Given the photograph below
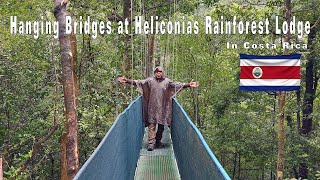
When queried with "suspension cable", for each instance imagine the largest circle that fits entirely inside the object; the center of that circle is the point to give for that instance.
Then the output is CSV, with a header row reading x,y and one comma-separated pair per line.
x,y
117,65
174,40
131,34
138,6
173,45
196,90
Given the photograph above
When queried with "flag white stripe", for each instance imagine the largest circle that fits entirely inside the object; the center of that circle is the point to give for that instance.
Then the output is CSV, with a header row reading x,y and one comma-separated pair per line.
x,y
269,82
268,62
257,59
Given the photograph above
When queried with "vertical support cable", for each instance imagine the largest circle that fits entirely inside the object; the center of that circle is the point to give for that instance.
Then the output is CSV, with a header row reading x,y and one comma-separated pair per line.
x,y
117,65
131,48
174,40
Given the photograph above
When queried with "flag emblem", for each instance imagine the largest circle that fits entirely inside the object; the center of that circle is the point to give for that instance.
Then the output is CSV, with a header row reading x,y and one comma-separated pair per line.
x,y
270,73
257,72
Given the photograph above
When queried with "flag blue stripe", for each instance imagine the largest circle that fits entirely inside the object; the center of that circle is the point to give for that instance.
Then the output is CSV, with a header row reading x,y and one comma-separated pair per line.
x,y
288,57
269,88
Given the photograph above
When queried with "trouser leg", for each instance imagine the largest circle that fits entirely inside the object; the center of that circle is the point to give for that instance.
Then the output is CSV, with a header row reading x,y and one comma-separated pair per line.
x,y
151,133
159,133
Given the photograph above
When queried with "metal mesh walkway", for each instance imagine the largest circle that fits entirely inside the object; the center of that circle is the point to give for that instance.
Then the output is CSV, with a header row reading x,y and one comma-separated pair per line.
x,y
159,164
119,155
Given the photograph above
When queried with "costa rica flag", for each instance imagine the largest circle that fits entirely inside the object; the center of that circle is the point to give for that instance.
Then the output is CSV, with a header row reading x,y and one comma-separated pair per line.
x,y
270,73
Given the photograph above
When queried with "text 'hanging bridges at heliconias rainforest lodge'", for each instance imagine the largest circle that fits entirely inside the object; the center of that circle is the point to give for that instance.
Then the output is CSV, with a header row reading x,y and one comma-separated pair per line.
x,y
270,73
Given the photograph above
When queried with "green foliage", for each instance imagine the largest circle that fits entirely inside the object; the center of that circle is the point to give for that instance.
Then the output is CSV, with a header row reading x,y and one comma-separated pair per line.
x,y
240,127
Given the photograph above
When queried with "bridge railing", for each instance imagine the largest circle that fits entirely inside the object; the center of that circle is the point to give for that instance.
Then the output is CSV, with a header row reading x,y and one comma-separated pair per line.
x,y
194,158
117,154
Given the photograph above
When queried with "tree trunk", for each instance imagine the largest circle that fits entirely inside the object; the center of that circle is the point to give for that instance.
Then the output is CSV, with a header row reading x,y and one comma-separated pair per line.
x,y
63,158
311,86
281,104
281,136
150,56
68,90
298,93
309,96
127,40
127,9
52,166
239,165
234,165
74,64
303,171
289,122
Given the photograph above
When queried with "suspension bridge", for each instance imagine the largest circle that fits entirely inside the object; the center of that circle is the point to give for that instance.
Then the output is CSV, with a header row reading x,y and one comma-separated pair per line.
x,y
122,154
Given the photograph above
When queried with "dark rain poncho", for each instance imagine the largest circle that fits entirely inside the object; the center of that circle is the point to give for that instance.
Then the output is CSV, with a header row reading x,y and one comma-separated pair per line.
x,y
157,97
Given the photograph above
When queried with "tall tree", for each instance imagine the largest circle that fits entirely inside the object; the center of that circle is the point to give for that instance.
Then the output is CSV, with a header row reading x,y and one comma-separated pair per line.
x,y
150,55
310,93
127,10
281,104
281,135
311,82
68,83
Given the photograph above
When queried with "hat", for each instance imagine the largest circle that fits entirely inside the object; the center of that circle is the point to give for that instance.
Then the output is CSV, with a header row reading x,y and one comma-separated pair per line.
x,y
158,68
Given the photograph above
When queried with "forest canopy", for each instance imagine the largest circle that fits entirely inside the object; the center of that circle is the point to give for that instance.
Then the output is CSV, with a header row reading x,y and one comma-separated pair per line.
x,y
59,94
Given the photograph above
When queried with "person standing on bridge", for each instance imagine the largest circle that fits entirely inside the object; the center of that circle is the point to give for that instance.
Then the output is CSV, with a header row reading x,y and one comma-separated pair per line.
x,y
157,94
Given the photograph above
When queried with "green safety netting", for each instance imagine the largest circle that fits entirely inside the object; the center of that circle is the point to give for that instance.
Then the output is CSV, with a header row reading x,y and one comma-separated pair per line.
x,y
117,154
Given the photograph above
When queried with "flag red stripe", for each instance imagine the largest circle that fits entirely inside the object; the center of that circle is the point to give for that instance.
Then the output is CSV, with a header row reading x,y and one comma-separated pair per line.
x,y
271,72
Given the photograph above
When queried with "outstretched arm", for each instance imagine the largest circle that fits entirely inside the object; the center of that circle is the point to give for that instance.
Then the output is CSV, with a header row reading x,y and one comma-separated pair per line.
x,y
142,85
193,84
124,80
178,85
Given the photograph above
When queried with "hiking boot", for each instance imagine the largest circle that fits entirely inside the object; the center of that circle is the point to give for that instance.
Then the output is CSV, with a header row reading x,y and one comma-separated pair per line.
x,y
150,147
159,145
